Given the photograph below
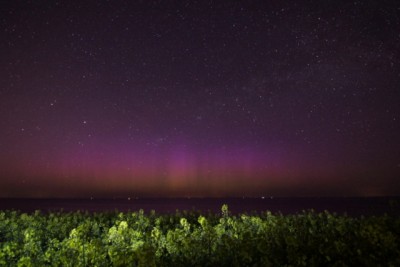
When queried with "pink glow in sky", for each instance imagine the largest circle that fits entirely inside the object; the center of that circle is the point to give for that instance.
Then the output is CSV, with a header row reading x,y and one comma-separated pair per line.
x,y
199,98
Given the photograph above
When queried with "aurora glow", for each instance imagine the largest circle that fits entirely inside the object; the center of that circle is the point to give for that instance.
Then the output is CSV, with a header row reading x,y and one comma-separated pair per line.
x,y
186,98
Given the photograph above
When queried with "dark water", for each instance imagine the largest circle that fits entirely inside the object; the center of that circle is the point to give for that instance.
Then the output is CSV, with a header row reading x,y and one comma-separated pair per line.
x,y
350,206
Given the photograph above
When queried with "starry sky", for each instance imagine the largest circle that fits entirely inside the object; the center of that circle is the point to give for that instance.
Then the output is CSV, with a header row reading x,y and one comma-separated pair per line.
x,y
199,98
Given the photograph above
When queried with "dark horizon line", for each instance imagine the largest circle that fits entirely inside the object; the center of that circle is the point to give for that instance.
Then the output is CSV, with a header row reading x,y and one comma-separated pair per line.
x,y
186,198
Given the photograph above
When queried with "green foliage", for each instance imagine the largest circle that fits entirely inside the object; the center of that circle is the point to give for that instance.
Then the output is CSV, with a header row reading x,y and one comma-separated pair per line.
x,y
196,239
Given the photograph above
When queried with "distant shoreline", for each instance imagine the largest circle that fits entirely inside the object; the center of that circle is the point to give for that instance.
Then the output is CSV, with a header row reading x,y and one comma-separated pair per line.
x,y
353,206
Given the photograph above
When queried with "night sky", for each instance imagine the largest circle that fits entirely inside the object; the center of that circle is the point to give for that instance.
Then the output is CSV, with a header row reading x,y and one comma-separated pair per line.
x,y
199,98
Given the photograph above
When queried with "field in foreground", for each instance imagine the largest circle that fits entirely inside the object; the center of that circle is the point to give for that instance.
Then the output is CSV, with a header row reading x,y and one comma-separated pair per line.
x,y
196,239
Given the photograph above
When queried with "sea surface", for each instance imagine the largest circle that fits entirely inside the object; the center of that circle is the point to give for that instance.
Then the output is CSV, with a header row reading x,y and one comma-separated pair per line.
x,y
350,205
